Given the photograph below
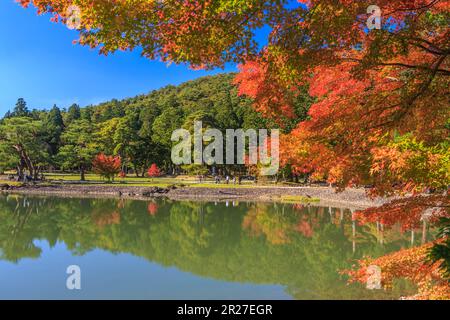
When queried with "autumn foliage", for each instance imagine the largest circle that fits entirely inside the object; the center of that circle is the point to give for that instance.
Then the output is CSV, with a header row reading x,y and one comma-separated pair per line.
x,y
409,212
154,171
412,264
107,166
380,115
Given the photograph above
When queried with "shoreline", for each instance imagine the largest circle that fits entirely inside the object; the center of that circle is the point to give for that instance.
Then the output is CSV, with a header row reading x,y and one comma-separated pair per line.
x,y
323,196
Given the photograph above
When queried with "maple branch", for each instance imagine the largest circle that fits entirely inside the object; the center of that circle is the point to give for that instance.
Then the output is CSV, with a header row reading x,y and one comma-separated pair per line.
x,y
426,6
409,102
428,82
399,64
432,48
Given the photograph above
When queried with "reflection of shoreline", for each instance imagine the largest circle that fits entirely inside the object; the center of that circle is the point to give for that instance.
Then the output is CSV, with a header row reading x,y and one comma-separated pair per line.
x,y
297,246
350,198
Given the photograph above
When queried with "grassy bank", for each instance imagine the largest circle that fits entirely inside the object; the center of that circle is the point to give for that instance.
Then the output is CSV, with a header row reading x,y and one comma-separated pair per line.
x,y
132,181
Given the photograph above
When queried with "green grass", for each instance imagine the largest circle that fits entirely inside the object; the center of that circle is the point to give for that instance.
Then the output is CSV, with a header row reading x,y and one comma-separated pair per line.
x,y
222,185
297,199
11,183
94,179
133,181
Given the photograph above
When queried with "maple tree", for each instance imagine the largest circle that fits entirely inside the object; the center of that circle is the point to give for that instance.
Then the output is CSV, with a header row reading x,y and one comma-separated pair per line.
x,y
411,264
153,171
107,166
380,95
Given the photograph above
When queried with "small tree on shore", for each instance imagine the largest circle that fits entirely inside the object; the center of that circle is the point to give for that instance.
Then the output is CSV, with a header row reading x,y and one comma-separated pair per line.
x,y
154,171
107,166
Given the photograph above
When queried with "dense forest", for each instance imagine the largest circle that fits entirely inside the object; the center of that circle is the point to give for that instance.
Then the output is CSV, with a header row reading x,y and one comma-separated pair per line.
x,y
137,129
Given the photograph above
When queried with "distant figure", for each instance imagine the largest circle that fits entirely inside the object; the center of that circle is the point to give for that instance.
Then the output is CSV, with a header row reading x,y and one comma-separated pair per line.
x,y
227,179
234,180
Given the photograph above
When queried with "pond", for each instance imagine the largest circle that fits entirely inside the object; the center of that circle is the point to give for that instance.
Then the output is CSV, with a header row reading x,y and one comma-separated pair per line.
x,y
163,249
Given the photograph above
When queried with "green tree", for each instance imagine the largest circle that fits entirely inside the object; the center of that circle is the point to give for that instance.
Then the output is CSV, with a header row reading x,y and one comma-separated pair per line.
x,y
74,113
21,140
79,147
21,109
54,127
169,120
127,141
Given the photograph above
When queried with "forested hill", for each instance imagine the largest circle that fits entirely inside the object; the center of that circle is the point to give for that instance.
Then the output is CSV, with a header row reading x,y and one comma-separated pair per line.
x,y
213,99
138,129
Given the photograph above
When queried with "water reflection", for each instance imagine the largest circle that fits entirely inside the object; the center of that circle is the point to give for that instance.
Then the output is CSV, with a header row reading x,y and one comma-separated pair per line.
x,y
301,248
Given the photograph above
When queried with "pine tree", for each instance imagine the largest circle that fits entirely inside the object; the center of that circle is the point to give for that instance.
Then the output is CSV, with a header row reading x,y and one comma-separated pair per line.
x,y
74,113
54,127
21,110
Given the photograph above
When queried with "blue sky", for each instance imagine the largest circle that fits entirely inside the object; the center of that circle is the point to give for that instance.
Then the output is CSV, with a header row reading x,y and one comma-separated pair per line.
x,y
39,63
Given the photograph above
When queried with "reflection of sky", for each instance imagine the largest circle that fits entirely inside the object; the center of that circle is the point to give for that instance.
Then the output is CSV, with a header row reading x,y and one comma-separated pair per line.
x,y
115,276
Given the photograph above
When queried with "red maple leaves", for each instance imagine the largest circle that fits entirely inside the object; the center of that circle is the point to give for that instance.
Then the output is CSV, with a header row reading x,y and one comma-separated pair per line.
x,y
107,166
154,171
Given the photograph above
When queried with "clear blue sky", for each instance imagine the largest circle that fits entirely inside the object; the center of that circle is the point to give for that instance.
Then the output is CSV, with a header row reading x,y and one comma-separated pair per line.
x,y
39,63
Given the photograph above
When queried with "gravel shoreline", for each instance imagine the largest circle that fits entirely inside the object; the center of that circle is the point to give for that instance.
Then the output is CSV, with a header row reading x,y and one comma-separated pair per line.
x,y
350,198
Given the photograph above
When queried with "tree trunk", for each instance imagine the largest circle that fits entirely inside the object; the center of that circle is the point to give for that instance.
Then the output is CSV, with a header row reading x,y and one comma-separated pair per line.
x,y
136,170
25,159
36,173
20,167
82,176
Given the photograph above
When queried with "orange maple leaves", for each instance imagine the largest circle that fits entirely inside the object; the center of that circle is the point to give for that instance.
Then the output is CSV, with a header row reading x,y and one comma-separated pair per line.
x,y
414,263
269,96
409,212
411,264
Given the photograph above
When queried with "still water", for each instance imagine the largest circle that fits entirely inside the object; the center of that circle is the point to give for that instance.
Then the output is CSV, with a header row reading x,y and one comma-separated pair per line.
x,y
165,249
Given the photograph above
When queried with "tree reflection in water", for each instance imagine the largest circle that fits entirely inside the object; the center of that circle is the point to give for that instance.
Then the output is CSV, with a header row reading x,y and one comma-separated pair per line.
x,y
300,247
